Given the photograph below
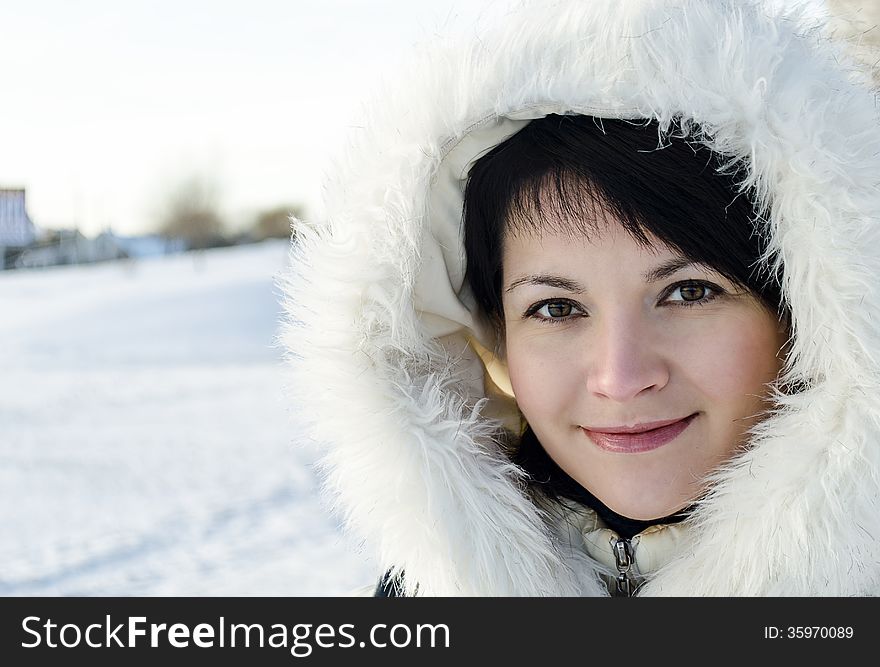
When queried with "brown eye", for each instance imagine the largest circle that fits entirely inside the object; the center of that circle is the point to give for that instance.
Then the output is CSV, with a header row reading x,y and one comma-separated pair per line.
x,y
692,292
554,312
559,309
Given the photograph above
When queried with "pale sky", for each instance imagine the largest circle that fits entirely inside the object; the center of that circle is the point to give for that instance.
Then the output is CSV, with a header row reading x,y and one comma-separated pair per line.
x,y
108,104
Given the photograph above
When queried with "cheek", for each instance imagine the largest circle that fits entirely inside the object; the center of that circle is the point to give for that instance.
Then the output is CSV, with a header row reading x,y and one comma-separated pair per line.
x,y
542,377
737,361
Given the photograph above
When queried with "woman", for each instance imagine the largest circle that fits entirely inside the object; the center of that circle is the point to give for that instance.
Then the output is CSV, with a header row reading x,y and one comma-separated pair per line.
x,y
594,312
583,211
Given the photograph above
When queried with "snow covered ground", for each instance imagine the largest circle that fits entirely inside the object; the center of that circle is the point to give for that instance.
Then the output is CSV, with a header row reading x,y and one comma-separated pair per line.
x,y
145,445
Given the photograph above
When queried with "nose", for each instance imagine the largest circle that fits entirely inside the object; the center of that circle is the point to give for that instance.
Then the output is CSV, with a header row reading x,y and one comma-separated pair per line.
x,y
624,360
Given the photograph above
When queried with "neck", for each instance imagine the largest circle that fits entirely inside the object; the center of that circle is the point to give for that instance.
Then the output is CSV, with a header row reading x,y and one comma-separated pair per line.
x,y
623,525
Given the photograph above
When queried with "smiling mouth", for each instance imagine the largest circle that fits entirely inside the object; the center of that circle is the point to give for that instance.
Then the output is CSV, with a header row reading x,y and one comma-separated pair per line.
x,y
624,440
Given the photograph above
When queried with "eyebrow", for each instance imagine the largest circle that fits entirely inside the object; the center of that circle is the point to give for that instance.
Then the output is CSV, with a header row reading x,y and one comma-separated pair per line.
x,y
667,268
660,272
544,279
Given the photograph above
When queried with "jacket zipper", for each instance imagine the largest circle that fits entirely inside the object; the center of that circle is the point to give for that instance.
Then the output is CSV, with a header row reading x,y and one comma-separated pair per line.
x,y
623,556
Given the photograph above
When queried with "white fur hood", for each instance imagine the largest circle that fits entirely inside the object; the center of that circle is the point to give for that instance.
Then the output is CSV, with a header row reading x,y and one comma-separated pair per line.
x,y
377,317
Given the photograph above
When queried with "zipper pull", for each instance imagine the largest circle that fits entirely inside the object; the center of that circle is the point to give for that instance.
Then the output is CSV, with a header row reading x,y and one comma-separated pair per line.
x,y
623,556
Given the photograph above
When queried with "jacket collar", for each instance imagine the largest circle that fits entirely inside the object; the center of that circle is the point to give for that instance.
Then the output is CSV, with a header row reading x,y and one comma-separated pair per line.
x,y
651,549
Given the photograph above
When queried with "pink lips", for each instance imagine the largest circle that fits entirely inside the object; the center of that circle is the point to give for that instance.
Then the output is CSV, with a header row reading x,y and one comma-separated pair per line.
x,y
642,438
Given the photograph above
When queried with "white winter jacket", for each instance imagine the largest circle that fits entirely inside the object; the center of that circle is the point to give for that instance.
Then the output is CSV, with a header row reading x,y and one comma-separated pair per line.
x,y
384,344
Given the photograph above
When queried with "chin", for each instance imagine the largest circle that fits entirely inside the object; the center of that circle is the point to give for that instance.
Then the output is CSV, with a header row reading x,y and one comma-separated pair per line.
x,y
641,511
642,494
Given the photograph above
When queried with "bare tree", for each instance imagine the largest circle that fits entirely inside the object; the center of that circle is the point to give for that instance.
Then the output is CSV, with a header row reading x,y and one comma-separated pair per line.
x,y
275,223
192,213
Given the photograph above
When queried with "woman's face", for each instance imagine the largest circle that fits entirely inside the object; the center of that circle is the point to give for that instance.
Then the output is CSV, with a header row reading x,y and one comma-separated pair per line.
x,y
603,334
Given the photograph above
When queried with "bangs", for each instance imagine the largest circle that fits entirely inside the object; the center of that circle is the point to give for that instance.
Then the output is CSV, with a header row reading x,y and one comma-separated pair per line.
x,y
567,204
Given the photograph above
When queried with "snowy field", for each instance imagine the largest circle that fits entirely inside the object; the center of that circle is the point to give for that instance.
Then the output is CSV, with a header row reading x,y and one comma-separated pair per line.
x,y
145,445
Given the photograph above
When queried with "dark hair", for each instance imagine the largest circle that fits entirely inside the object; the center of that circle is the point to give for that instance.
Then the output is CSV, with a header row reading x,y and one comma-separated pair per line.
x,y
567,172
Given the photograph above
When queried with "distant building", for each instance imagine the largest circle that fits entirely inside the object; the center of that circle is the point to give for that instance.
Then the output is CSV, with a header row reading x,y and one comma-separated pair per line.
x,y
69,246
16,229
